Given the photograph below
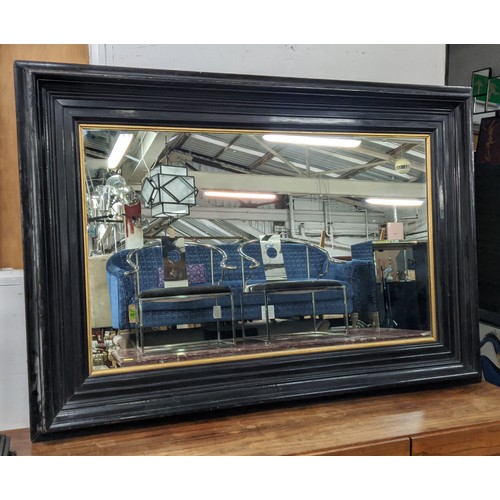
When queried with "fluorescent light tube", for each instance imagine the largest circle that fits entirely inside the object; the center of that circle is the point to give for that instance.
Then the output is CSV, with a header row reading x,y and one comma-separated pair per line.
x,y
395,202
121,145
312,140
240,195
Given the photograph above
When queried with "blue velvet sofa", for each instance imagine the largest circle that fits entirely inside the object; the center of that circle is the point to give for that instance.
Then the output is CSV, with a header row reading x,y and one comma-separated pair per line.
x,y
491,370
228,267
306,262
122,286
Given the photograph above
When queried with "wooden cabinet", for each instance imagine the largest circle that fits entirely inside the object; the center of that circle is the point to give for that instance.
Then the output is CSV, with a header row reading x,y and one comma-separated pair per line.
x,y
394,447
472,440
461,420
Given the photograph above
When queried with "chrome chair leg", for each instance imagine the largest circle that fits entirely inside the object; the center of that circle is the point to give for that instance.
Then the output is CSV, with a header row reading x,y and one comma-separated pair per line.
x,y
141,326
233,327
242,316
266,307
315,326
346,314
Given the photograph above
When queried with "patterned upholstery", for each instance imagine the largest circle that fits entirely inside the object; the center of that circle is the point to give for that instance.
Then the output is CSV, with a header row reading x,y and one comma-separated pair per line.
x,y
196,274
203,268
362,251
303,262
360,275
150,261
121,286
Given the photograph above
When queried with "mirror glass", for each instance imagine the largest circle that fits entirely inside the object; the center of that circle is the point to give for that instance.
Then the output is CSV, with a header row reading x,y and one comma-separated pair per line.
x,y
210,246
479,84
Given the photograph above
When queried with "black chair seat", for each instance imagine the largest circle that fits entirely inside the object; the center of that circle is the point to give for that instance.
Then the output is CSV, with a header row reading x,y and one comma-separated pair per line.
x,y
293,286
158,293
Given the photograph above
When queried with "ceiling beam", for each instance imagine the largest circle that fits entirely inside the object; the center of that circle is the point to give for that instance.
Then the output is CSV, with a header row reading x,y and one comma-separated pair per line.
x,y
239,213
262,160
226,147
172,145
275,153
305,185
206,160
367,166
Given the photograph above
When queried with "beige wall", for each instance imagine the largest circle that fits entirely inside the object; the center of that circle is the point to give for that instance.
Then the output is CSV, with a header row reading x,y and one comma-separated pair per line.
x,y
11,253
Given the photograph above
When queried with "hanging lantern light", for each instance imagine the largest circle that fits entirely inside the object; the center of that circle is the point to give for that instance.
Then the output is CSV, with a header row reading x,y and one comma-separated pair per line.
x,y
169,191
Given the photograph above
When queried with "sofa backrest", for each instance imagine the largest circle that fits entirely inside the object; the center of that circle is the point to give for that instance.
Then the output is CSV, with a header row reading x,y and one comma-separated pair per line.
x,y
301,261
202,265
362,251
150,262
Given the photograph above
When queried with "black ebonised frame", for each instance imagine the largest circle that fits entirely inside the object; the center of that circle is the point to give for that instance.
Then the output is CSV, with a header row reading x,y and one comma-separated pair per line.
x,y
54,99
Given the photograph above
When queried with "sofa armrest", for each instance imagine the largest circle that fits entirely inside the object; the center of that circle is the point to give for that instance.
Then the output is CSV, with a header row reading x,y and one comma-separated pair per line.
x,y
121,273
121,295
360,275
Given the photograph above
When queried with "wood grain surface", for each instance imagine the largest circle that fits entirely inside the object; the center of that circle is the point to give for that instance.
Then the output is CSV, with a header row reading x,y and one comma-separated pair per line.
x,y
475,440
11,252
461,420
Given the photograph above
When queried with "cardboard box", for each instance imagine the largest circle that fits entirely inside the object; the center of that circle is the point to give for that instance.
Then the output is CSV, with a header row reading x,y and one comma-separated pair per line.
x,y
395,231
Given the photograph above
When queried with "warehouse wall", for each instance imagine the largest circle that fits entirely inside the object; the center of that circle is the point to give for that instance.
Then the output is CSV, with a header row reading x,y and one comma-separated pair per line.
x,y
417,64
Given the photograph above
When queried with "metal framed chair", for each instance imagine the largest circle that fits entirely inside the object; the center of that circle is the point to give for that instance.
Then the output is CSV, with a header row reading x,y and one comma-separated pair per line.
x,y
177,294
275,281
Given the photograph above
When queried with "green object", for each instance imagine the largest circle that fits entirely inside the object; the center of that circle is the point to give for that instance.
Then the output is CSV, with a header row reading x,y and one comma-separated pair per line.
x,y
479,85
494,90
132,316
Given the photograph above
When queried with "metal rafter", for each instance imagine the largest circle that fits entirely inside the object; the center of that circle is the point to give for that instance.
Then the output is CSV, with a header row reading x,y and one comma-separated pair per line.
x,y
262,160
225,148
208,161
371,164
172,145
262,143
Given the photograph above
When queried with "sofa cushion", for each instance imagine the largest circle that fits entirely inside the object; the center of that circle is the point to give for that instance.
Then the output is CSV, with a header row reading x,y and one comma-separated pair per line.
x,y
196,274
294,286
184,291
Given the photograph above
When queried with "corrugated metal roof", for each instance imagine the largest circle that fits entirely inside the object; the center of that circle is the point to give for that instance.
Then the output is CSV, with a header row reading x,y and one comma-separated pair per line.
x,y
246,151
372,161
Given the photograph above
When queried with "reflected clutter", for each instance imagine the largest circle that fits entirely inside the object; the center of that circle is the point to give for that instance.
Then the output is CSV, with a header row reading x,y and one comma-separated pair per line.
x,y
208,246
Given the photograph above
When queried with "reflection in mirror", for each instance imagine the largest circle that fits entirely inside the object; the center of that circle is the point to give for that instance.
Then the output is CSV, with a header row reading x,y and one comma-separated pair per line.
x,y
479,86
208,246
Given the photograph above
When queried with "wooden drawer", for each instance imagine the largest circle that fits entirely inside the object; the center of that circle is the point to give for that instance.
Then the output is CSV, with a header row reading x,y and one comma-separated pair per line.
x,y
393,447
473,440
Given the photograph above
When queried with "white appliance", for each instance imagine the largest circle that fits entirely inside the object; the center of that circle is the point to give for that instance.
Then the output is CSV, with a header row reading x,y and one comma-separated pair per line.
x,y
14,402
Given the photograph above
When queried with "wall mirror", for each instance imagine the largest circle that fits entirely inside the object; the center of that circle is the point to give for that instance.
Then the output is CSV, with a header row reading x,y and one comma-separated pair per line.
x,y
323,199
196,242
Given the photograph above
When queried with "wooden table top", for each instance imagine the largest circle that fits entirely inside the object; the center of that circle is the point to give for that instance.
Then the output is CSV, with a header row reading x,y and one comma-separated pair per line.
x,y
312,427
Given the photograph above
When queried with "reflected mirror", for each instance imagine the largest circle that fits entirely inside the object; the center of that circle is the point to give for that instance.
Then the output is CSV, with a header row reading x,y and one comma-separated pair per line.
x,y
208,245
479,84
